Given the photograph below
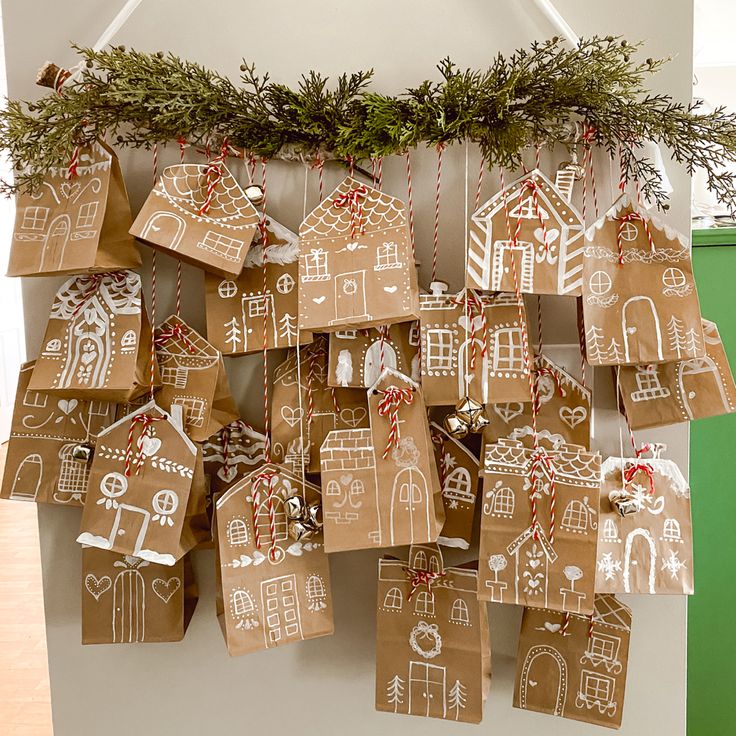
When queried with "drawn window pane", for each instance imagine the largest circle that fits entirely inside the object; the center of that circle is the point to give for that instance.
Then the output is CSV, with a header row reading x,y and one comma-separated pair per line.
x,y
315,587
575,517
602,647
610,531
113,485
629,232
333,488
597,687
73,475
257,306
35,218
221,245
434,564
420,560
35,400
315,266
387,256
165,502
357,487
674,278
264,524
129,339
508,353
647,378
227,289
672,530
459,613
87,214
237,532
457,485
346,334
285,283
439,350
394,599
600,283
525,210
504,502
424,604
193,410
99,408
243,603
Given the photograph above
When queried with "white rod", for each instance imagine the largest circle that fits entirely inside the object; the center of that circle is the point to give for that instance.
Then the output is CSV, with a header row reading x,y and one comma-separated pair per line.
x,y
556,19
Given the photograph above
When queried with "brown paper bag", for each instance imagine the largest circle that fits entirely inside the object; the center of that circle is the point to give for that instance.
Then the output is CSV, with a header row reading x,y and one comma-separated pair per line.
x,y
127,600
232,453
640,304
271,589
655,395
140,496
650,550
544,564
458,470
576,669
563,415
433,653
306,410
193,376
357,356
98,340
472,346
356,267
235,307
75,225
548,252
212,231
45,435
380,486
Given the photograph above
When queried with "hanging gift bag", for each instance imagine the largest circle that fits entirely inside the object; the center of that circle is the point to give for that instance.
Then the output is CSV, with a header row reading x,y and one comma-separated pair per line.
x,y
98,340
640,304
273,580
356,266
76,221
232,453
433,652
193,376
199,214
127,600
575,666
539,526
51,445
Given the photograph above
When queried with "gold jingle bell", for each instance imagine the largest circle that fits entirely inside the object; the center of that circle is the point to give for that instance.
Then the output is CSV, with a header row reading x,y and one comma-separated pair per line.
x,y
83,452
456,427
254,193
624,503
468,409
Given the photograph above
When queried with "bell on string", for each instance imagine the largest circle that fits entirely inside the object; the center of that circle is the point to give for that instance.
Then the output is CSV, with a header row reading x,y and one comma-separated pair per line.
x,y
314,515
456,427
299,531
468,409
480,423
254,193
624,503
295,507
83,452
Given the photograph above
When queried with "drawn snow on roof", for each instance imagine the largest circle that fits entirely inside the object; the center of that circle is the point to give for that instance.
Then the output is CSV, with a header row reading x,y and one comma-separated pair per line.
x,y
186,350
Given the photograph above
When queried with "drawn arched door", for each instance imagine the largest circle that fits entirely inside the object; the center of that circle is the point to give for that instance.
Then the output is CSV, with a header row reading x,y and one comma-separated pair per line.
x,y
543,683
128,607
701,388
89,350
640,562
410,504
55,242
639,318
477,387
372,361
27,480
164,227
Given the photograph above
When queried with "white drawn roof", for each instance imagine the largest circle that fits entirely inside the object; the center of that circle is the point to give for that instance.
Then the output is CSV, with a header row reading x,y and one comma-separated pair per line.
x,y
461,579
93,158
348,439
306,355
392,373
563,376
192,349
282,246
121,295
666,468
447,438
608,610
246,445
282,472
184,186
380,211
526,535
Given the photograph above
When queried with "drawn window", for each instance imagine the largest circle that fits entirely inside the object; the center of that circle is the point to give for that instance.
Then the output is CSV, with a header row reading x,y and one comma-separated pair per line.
x,y
629,232
221,245
439,350
459,613
237,532
424,604
35,218
264,524
508,353
357,487
113,485
35,400
315,266
257,307
73,475
596,687
600,283
87,214
420,560
434,564
165,502
285,283
610,531
387,256
647,378
99,408
672,530
603,646
346,334
674,278
457,485
243,603
394,599
129,339
193,410
315,587
504,502
525,210
333,488
171,376
414,333
227,289
575,517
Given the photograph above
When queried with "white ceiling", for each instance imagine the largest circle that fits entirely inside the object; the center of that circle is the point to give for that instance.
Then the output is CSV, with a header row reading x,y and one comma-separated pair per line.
x,y
714,44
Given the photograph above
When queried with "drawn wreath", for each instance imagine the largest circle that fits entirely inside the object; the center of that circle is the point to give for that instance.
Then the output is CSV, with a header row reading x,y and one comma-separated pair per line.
x,y
423,630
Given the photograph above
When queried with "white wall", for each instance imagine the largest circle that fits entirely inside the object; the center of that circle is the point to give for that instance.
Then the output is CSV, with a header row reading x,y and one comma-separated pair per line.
x,y
326,686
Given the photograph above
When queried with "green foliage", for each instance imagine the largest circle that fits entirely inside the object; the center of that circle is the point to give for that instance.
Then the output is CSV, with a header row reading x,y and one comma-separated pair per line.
x,y
535,97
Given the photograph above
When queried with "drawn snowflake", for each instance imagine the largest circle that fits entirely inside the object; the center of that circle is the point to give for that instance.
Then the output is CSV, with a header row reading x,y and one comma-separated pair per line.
x,y
673,564
608,566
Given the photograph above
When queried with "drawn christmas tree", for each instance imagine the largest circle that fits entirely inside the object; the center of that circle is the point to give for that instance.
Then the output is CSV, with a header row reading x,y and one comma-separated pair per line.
x,y
676,333
692,341
614,354
287,328
594,347
233,334
458,698
395,692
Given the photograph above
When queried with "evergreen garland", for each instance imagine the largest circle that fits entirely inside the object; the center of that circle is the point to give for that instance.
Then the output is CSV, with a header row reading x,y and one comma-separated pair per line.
x,y
534,97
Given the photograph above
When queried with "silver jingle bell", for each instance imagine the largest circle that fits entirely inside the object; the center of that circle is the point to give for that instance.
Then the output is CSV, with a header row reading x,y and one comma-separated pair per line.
x,y
314,515
468,409
299,531
254,193
83,452
577,170
479,423
295,507
456,427
624,503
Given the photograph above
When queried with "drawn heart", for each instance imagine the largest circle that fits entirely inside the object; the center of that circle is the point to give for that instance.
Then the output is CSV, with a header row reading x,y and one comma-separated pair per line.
x,y
164,589
291,415
472,325
533,584
258,557
69,190
97,586
353,416
227,473
390,289
509,411
534,564
319,299
345,479
532,683
572,416
554,628
150,445
87,358
552,235
352,246
67,405
295,549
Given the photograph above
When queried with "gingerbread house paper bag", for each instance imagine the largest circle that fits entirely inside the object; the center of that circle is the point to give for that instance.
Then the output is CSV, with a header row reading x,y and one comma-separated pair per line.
x,y
458,470
192,371
126,600
433,654
658,394
75,223
98,340
237,307
358,356
232,453
356,267
640,304
51,441
539,526
649,549
199,214
575,667
140,486
380,486
548,252
472,345
272,590
563,411
306,409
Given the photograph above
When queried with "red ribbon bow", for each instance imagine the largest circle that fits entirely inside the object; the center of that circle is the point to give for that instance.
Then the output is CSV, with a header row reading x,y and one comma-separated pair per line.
x,y
631,470
421,577
534,186
631,216
145,421
473,307
177,330
352,199
268,478
393,398
92,284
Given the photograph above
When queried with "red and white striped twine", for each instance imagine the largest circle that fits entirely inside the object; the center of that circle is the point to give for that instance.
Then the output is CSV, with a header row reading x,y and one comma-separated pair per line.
x,y
473,307
627,218
392,399
534,186
145,422
565,624
266,304
175,331
419,577
267,477
213,173
410,205
437,196
353,199
541,460
581,339
481,171
72,170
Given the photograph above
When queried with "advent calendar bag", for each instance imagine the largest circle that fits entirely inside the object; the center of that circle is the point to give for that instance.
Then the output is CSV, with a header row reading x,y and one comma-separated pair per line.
x,y
98,340
272,589
77,221
433,652
575,667
128,600
51,445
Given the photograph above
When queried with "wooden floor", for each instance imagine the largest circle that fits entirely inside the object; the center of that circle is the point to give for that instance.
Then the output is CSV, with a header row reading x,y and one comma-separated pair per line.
x,y
25,702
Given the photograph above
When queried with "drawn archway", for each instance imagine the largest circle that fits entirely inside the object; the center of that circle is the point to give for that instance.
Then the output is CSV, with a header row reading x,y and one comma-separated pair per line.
x,y
55,242
410,504
707,369
129,607
638,313
652,558
464,358
539,654
372,361
167,222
